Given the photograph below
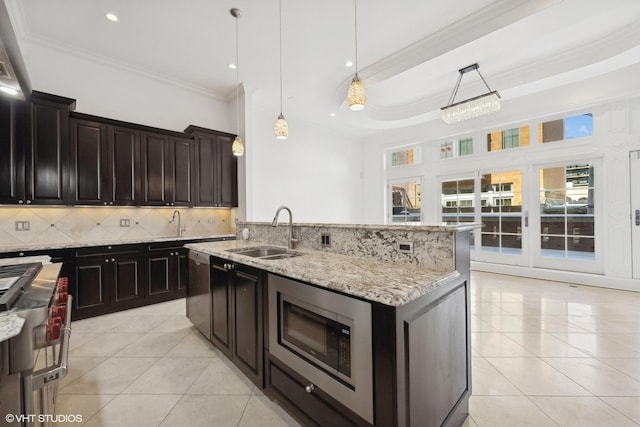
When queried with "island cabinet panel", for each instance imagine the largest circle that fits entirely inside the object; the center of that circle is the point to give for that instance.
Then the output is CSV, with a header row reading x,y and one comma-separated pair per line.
x,y
313,407
221,333
237,315
248,319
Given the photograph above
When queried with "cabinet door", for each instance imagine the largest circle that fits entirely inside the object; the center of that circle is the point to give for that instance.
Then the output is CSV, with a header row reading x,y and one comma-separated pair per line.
x,y
247,315
89,287
13,134
88,174
47,155
124,163
227,176
161,273
183,272
182,168
157,171
206,155
127,282
221,333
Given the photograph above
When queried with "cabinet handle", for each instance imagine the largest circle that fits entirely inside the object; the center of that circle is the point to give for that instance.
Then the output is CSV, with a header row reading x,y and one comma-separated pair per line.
x,y
309,388
20,202
637,216
28,202
21,254
167,203
105,203
106,260
113,260
110,203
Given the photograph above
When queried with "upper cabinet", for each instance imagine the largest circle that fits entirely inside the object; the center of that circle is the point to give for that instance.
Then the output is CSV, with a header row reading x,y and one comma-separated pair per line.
x,y
50,155
216,168
105,164
168,169
14,119
34,145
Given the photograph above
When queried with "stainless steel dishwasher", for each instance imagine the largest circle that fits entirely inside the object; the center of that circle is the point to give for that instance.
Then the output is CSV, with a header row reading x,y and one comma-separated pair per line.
x,y
199,293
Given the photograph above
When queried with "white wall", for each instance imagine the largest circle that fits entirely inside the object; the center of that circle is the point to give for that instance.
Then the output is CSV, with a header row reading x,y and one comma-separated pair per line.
x,y
315,172
116,93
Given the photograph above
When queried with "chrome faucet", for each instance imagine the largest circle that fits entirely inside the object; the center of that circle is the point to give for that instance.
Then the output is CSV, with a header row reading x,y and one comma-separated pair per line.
x,y
275,224
173,219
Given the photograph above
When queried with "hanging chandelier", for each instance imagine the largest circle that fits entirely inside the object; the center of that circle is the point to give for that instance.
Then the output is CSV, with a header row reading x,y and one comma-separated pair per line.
x,y
237,148
473,107
282,128
357,94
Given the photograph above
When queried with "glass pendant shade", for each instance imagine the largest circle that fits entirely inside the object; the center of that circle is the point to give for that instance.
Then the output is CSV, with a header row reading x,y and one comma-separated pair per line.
x,y
237,148
282,128
357,95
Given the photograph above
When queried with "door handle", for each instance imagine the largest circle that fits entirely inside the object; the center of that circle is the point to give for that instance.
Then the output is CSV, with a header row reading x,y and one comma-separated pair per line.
x,y
637,216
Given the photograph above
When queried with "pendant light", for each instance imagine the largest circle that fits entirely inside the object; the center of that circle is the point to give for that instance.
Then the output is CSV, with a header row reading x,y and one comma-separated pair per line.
x,y
237,148
357,95
282,128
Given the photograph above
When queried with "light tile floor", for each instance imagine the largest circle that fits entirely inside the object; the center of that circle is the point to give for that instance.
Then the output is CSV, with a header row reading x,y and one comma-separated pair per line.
x,y
544,354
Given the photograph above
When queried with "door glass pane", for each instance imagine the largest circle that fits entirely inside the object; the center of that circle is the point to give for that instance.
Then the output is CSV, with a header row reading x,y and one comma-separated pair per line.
x,y
566,212
501,198
405,197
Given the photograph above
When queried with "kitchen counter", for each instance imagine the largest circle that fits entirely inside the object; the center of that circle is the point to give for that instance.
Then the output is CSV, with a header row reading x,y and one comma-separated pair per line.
x,y
393,284
10,325
66,245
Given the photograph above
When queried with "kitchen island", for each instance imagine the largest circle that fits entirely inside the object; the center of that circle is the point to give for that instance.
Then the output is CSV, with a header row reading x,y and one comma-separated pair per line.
x,y
417,328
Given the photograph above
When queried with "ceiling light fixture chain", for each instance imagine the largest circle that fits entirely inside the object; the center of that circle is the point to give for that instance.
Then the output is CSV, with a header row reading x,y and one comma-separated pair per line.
x,y
281,128
357,94
472,107
238,146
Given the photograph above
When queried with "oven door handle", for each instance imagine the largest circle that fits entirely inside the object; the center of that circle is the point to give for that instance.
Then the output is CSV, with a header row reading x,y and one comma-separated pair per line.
x,y
55,373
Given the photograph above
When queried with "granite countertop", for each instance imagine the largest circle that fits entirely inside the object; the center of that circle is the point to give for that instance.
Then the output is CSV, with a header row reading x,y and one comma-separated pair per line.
x,y
388,283
10,325
66,245
418,226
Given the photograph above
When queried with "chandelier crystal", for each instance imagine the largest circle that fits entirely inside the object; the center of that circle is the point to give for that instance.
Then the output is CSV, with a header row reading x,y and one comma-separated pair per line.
x,y
472,107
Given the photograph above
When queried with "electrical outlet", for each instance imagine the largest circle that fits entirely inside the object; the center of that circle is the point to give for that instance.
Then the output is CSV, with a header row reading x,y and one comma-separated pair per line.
x,y
406,247
125,222
23,225
325,240
211,220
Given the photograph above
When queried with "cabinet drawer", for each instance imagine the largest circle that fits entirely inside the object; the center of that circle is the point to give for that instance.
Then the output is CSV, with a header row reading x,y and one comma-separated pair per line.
x,y
315,407
107,250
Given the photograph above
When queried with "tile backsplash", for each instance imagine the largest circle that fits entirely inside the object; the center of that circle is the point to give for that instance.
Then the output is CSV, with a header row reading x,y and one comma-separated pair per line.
x,y
90,224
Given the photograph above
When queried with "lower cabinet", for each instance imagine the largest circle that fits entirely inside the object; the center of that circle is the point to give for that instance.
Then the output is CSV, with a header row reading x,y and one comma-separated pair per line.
x,y
237,315
167,273
103,280
307,402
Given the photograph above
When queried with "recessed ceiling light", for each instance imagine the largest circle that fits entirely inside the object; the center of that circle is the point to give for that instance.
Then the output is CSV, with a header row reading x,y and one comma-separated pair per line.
x,y
332,114
232,66
112,17
349,63
9,90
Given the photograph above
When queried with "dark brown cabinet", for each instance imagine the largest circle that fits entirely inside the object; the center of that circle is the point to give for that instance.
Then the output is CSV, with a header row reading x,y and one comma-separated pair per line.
x,y
167,168
167,273
216,168
106,279
105,164
237,315
14,118
34,146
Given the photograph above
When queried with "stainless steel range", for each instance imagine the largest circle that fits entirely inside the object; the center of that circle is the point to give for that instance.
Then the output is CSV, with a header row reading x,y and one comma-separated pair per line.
x,y
33,358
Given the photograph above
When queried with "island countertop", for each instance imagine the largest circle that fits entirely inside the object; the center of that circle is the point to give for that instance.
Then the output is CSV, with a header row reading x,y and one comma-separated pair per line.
x,y
389,283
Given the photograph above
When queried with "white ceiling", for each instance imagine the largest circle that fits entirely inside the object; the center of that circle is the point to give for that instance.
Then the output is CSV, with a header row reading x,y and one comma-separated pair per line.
x,y
409,51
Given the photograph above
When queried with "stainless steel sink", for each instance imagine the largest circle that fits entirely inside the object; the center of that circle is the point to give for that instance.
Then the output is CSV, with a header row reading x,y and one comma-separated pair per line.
x,y
265,252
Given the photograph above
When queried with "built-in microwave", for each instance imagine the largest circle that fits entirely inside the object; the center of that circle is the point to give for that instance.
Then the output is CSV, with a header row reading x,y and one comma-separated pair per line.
x,y
326,337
